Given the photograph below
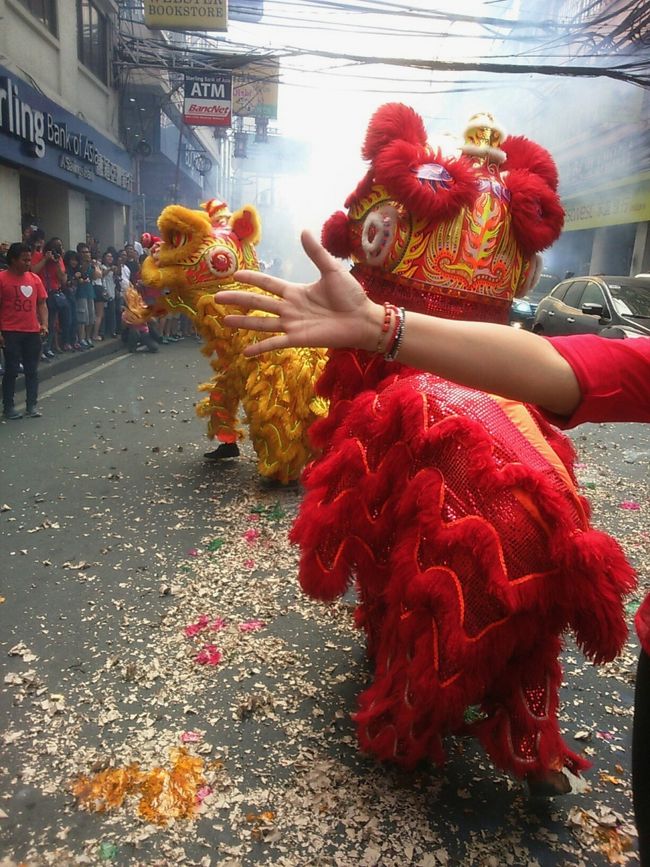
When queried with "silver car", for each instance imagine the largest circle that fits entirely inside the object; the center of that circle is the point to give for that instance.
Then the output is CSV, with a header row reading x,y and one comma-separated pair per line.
x,y
610,306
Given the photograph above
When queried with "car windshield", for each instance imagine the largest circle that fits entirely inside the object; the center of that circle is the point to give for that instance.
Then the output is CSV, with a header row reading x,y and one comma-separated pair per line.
x,y
631,298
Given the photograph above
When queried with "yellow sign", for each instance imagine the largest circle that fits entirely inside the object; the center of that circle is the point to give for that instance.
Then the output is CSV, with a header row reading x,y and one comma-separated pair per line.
x,y
629,203
255,89
186,14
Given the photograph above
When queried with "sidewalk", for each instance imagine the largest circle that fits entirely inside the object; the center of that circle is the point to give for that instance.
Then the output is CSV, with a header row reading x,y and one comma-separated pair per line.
x,y
71,360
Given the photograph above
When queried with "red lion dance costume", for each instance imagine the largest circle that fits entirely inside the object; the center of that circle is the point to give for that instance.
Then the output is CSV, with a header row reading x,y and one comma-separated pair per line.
x,y
455,511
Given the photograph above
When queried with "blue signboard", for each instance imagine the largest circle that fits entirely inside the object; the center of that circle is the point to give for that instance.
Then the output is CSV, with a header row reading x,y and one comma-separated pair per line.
x,y
37,133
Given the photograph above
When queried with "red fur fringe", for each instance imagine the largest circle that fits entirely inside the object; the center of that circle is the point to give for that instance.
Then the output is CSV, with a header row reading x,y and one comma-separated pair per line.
x,y
455,612
395,168
537,215
335,235
522,153
393,121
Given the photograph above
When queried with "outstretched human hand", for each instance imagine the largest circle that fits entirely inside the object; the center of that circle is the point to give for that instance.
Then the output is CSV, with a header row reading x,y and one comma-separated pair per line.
x,y
334,311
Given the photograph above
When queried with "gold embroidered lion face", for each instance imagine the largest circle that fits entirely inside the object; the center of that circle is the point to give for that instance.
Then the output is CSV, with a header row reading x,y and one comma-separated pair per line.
x,y
199,251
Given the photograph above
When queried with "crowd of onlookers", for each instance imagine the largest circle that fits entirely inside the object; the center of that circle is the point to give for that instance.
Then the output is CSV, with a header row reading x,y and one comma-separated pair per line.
x,y
85,295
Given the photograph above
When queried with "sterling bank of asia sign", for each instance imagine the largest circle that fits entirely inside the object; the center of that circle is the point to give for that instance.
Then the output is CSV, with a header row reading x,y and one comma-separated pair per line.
x,y
38,133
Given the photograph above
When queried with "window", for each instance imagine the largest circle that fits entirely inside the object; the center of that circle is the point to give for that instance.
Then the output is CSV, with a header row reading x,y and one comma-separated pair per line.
x,y
593,294
560,291
574,294
45,11
92,38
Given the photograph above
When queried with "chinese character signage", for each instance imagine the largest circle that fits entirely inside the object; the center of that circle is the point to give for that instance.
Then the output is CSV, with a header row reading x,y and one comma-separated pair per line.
x,y
208,99
186,14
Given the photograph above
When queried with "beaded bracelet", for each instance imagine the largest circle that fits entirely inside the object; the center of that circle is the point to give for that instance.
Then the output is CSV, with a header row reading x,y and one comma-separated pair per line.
x,y
393,347
389,309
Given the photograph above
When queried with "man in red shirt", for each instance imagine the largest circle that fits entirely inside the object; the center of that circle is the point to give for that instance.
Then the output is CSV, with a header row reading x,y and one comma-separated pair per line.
x,y
48,264
23,322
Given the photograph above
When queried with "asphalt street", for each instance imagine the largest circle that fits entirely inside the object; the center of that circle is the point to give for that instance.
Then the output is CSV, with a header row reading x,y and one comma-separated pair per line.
x,y
153,635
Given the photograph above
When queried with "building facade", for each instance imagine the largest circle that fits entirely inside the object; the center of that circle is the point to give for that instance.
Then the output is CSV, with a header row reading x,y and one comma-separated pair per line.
x,y
62,166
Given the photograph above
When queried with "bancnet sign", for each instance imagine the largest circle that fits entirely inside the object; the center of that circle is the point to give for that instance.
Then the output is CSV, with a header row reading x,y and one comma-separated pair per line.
x,y
208,99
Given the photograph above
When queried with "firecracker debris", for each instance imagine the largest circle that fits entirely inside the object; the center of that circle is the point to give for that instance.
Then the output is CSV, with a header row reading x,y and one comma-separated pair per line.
x,y
205,719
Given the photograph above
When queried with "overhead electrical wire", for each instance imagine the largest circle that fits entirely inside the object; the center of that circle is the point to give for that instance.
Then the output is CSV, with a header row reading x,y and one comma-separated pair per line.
x,y
561,36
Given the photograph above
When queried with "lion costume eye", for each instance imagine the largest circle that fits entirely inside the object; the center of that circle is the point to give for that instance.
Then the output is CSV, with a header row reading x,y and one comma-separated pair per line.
x,y
378,234
222,262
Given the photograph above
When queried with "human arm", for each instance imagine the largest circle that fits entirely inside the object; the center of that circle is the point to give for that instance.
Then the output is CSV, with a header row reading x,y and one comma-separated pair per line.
x,y
40,260
41,312
334,311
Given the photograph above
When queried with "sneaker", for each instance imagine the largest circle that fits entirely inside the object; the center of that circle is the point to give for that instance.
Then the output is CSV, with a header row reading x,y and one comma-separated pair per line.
x,y
12,414
165,341
77,347
67,347
91,345
85,344
225,450
44,357
50,353
33,412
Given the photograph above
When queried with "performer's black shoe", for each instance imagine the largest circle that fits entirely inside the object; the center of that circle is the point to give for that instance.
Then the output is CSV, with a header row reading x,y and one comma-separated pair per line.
x,y
548,785
225,450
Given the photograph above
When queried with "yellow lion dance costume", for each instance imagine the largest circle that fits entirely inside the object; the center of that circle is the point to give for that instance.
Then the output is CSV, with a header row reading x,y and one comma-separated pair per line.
x,y
196,256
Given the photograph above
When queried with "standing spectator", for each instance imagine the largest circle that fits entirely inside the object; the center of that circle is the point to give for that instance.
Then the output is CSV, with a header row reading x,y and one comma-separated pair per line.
x,y
99,301
49,266
71,263
4,246
122,283
29,227
85,296
132,262
23,322
109,277
93,245
36,240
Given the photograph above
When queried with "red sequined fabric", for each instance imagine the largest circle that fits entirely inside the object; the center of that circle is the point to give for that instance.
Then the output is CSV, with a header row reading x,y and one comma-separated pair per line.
x,y
472,553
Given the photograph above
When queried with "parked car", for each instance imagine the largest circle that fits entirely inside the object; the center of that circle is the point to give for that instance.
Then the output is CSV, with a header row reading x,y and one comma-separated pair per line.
x,y
611,306
522,310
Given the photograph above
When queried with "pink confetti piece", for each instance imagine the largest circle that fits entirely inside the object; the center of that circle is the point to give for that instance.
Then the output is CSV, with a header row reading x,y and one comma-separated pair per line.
x,y
605,736
198,626
253,517
630,505
251,535
191,737
249,564
251,626
208,655
193,552
203,793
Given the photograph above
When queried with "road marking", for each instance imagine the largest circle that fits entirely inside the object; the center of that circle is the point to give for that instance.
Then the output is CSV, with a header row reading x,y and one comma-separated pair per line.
x,y
81,376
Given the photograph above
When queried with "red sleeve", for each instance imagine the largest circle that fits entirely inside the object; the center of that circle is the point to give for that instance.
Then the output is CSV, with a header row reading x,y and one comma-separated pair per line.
x,y
41,293
614,378
642,623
